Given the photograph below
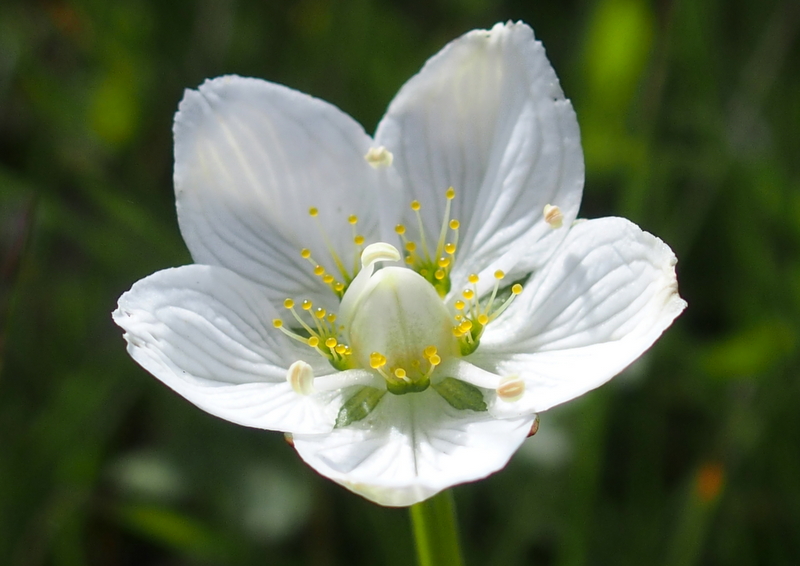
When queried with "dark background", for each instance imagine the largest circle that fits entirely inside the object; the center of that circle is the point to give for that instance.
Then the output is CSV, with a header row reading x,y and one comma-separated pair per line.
x,y
690,116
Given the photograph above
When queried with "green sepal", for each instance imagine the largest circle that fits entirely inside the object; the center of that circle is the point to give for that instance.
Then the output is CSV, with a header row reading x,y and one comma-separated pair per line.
x,y
359,406
401,387
461,395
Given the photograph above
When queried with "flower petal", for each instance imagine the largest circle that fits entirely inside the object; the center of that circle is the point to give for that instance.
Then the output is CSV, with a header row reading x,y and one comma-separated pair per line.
x,y
412,447
251,159
601,301
487,116
207,333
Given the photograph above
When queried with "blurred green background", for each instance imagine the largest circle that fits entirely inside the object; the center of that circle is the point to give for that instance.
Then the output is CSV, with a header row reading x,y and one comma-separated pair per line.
x,y
690,116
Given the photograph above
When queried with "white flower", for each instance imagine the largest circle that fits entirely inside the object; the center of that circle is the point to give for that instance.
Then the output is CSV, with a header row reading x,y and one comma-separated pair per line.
x,y
434,370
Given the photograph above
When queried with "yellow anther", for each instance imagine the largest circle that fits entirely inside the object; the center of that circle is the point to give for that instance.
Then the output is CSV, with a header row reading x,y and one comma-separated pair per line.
x,y
499,274
379,157
305,253
454,224
468,294
429,351
307,305
415,205
340,349
439,274
411,247
466,325
400,229
435,360
358,240
376,360
313,211
483,319
327,278
459,305
516,289
330,342
443,261
319,313
331,317
277,323
319,270
459,317
450,193
473,278
450,248
457,332
313,341
288,303
400,372
352,219
409,260
338,287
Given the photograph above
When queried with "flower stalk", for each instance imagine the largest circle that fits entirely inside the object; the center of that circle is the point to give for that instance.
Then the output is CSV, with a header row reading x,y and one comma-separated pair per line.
x,y
435,531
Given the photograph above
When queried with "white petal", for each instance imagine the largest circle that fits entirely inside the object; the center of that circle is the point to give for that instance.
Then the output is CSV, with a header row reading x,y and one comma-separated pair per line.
x,y
207,333
251,158
603,298
412,447
487,116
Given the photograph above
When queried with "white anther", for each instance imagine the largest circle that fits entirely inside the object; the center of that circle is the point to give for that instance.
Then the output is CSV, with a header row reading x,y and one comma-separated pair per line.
x,y
379,157
301,377
379,251
511,388
553,216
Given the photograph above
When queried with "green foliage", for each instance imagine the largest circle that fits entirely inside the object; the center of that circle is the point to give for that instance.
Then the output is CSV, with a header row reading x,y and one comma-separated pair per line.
x,y
690,114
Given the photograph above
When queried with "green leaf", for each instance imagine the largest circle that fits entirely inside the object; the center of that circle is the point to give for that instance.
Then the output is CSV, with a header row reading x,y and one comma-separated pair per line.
x,y
359,406
461,395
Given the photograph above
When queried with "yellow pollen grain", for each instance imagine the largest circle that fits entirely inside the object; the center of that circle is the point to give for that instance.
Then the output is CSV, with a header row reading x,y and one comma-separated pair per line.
x,y
400,229
411,247
483,319
459,305
468,294
352,219
439,274
307,305
331,318
516,289
499,274
435,360
409,260
358,240
313,341
473,278
327,278
277,323
466,325
313,211
400,372
320,313
330,342
340,349
376,360
305,253
319,270
288,303
450,248
338,287
429,351
450,193
454,224
443,261
415,205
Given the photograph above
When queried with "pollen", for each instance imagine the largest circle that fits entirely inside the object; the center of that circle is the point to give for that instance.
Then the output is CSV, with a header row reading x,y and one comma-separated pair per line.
x,y
305,253
454,224
499,274
450,193
306,305
319,270
277,323
331,342
358,240
377,360
352,219
400,229
313,212
288,303
473,279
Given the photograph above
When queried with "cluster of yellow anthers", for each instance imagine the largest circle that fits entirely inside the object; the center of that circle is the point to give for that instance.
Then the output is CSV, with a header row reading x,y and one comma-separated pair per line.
x,y
323,336
436,266
472,317
346,275
415,374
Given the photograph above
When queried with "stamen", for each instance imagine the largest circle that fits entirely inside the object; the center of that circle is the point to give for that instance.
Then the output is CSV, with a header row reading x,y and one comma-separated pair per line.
x,y
449,194
379,157
301,377
511,388
553,216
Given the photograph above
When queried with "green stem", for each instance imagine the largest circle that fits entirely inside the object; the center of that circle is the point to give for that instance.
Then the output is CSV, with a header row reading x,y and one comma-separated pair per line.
x,y
435,532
